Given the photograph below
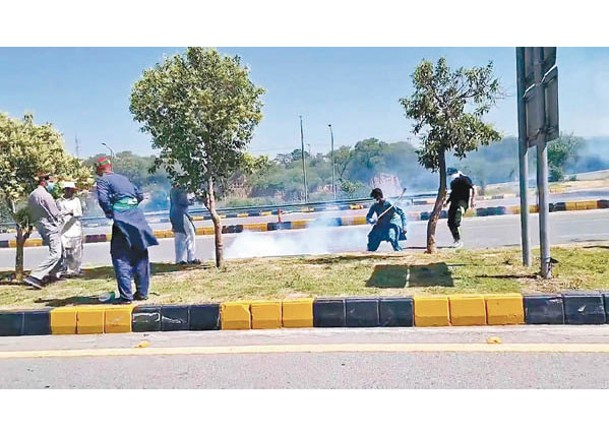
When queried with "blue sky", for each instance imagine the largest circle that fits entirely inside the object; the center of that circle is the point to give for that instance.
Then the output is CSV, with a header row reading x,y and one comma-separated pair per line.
x,y
85,92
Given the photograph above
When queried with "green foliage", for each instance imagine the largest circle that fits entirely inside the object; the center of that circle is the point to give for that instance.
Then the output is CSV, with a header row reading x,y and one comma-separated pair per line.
x,y
26,149
562,152
447,108
201,109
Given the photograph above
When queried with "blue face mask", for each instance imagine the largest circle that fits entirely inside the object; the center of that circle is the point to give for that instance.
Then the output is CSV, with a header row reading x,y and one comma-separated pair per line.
x,y
50,186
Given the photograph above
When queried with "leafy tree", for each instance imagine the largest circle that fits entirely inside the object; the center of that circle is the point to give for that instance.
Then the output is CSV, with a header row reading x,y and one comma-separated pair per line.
x,y
447,107
27,149
561,152
342,158
201,109
367,160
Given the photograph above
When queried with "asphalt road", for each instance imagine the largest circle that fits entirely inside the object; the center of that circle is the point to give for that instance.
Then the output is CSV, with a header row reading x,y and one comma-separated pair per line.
x,y
570,196
528,357
478,232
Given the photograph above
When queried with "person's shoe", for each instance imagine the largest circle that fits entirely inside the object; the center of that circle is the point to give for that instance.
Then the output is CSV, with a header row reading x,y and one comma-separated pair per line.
x,y
34,282
139,297
457,244
195,261
182,263
121,301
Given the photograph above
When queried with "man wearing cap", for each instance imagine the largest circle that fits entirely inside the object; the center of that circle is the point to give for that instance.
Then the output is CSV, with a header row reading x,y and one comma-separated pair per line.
x,y
47,218
131,234
71,233
461,196
390,224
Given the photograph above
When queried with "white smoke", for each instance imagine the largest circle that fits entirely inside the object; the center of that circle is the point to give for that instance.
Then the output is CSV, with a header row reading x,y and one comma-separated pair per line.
x,y
317,239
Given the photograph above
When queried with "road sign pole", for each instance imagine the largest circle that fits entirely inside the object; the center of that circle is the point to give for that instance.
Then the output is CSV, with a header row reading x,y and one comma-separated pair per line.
x,y
542,167
522,158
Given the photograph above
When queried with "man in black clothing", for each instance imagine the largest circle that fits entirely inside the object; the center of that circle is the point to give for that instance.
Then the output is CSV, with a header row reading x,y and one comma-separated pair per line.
x,y
461,197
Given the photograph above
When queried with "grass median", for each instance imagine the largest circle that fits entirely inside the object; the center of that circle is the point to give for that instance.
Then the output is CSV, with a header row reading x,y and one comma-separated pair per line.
x,y
581,267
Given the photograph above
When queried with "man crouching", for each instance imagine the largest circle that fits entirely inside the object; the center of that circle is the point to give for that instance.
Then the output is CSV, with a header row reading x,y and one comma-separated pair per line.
x,y
390,224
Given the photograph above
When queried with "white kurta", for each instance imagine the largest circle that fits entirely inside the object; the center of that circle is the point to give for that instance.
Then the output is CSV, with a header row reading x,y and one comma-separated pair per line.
x,y
71,209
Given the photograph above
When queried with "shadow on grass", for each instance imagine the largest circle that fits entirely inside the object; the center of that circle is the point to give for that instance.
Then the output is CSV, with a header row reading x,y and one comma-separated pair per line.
x,y
107,272
347,258
72,300
397,276
527,276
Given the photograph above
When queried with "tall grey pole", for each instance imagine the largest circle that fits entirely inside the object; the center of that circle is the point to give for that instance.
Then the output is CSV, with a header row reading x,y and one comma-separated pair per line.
x,y
542,168
304,168
523,165
332,158
109,149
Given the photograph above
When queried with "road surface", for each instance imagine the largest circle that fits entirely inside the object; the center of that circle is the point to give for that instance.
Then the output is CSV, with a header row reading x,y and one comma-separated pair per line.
x,y
478,232
457,357
571,196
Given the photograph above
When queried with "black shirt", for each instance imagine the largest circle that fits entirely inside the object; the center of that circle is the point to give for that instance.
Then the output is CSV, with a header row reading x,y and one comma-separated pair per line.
x,y
460,189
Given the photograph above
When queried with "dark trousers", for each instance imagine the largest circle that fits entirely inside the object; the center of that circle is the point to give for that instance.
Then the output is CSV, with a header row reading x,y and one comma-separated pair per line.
x,y
456,211
390,234
129,263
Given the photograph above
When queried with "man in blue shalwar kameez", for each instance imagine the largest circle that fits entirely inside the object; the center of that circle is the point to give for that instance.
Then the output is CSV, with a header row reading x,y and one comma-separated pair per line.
x,y
390,226
131,234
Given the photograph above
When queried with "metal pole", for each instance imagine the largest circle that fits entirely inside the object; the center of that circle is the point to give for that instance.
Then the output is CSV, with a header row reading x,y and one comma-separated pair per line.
x,y
109,149
523,165
304,168
332,158
542,169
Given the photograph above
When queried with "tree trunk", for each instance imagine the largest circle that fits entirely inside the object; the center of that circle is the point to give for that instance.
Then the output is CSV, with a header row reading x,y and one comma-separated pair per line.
x,y
211,206
437,208
22,236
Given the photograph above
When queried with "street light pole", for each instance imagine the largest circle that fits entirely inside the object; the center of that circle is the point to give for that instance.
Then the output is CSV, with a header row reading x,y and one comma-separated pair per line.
x,y
304,169
332,158
109,149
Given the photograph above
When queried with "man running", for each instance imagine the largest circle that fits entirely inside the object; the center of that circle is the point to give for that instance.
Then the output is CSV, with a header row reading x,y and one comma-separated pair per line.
x,y
462,195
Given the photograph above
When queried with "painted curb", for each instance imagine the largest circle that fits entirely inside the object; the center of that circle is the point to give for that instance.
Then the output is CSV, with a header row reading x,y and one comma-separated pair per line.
x,y
574,308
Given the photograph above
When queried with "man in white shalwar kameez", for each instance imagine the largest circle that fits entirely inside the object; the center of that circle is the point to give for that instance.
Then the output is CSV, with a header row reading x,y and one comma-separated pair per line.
x,y
71,234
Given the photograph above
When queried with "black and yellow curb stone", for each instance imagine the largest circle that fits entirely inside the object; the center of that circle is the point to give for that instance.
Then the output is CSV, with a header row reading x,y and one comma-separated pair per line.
x,y
574,308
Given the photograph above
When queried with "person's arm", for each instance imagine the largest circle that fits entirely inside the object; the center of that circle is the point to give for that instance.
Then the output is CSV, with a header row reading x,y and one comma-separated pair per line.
x,y
402,216
77,208
369,215
51,207
472,201
138,194
103,197
449,196
182,199
472,196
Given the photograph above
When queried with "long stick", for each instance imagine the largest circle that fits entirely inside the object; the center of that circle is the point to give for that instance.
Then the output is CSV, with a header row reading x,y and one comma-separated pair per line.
x,y
392,205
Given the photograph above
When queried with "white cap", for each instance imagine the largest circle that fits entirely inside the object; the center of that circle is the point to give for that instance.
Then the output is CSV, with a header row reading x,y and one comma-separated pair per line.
x,y
69,184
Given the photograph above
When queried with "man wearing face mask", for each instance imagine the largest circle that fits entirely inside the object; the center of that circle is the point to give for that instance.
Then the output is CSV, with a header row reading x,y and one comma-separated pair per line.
x,y
461,197
390,224
48,220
